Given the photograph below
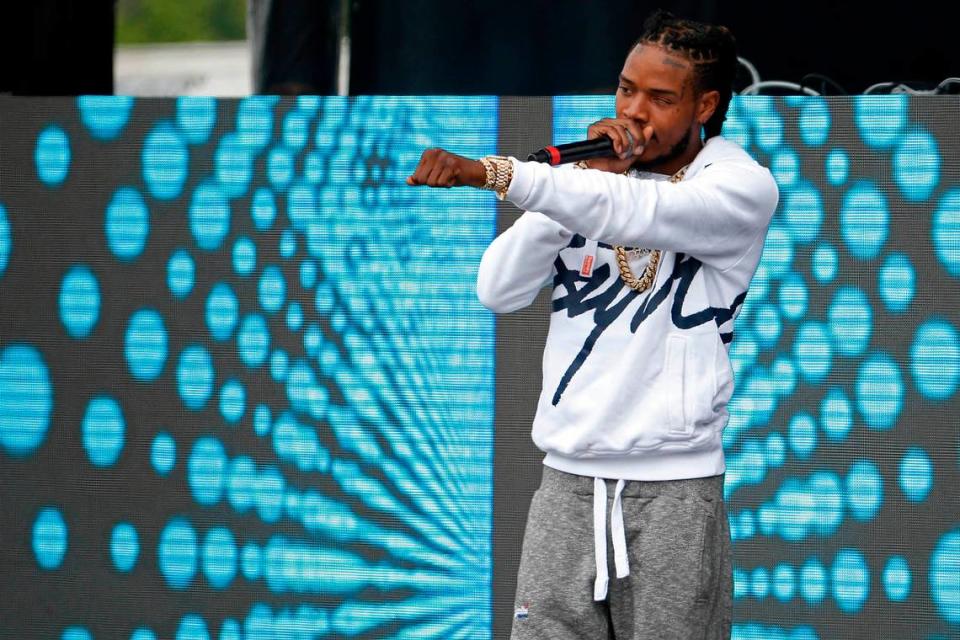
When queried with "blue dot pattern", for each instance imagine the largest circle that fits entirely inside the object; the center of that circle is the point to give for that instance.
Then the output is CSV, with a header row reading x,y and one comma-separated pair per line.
x,y
49,538
105,116
244,256
196,116
124,547
897,579
127,223
192,627
232,401
864,220
846,357
222,309
53,156
79,301
145,344
916,474
165,161
944,567
103,429
76,633
300,304
181,272
163,453
195,376
209,215
935,359
26,399
271,309
206,469
177,553
219,557
946,231
6,242
897,282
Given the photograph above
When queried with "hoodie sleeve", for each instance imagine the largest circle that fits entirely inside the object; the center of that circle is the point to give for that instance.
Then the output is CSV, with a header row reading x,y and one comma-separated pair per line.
x,y
715,215
519,262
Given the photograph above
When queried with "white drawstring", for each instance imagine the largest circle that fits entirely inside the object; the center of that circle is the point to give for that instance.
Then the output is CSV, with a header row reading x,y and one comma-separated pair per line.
x,y
600,536
618,534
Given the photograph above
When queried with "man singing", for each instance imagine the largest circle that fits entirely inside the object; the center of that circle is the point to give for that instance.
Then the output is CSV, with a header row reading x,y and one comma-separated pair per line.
x,y
650,254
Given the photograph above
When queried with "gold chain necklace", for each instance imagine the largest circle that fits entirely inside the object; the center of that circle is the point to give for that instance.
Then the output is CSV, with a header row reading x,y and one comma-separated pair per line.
x,y
642,283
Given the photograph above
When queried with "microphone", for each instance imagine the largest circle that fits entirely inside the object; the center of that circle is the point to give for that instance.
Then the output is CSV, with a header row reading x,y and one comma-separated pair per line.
x,y
601,147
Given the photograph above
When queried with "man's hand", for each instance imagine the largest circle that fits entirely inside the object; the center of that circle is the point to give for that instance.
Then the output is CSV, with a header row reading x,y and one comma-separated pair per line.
x,y
439,168
629,141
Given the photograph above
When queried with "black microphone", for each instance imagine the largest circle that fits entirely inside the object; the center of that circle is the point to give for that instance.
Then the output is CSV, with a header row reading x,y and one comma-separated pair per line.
x,y
601,147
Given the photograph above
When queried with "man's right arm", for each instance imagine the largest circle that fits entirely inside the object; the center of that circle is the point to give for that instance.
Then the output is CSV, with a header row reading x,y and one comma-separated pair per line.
x,y
519,262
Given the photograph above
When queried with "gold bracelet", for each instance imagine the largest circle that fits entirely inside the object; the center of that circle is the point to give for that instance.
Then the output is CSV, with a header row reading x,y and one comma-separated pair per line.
x,y
491,174
499,174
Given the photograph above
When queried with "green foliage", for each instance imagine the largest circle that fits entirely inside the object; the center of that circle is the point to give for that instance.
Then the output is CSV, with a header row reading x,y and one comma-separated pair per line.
x,y
143,21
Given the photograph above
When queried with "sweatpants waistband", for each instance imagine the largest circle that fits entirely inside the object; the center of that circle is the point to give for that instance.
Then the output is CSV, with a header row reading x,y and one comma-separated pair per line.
x,y
708,489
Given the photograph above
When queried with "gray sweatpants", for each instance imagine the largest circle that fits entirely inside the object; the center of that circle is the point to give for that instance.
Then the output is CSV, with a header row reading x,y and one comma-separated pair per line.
x,y
679,585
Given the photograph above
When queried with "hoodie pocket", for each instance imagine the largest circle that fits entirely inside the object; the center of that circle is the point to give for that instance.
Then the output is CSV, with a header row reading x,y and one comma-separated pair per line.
x,y
690,383
675,368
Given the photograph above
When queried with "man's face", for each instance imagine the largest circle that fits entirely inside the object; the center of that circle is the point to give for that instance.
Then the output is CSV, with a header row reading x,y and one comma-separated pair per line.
x,y
656,89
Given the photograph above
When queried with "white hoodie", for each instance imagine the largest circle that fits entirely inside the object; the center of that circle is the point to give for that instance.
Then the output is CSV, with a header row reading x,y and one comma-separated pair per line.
x,y
635,386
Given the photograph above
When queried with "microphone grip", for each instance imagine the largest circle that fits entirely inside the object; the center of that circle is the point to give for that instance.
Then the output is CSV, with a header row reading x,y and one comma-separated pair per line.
x,y
574,151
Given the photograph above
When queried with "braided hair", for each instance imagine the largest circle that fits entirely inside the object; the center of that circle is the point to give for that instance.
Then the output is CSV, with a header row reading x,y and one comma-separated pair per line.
x,y
712,50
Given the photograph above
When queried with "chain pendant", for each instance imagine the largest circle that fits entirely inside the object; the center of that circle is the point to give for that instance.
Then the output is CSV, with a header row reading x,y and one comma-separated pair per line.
x,y
623,254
